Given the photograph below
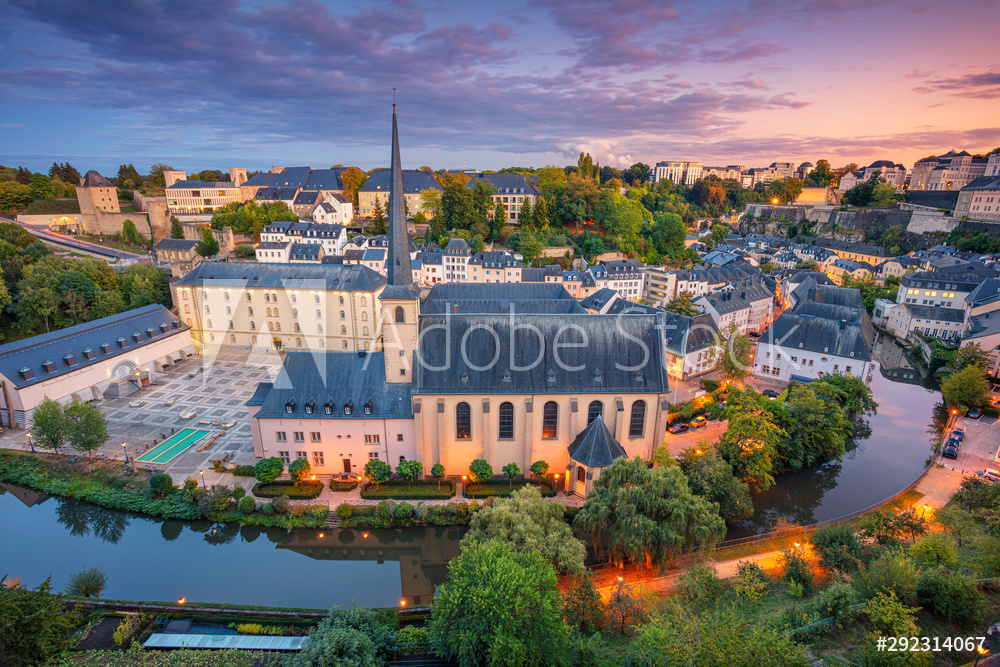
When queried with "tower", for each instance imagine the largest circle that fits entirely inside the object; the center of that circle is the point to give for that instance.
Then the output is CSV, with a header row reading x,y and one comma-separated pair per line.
x,y
400,298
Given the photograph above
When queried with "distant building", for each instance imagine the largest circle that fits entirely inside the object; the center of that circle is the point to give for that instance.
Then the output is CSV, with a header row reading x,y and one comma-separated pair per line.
x,y
980,200
201,197
495,266
96,193
512,191
336,209
747,303
678,172
894,174
951,171
179,254
377,188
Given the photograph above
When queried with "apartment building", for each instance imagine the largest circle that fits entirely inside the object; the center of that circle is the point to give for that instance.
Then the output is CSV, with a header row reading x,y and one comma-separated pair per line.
x,y
944,289
512,191
678,171
273,251
951,171
377,188
496,266
627,277
335,209
190,196
179,254
285,183
980,200
747,303
332,237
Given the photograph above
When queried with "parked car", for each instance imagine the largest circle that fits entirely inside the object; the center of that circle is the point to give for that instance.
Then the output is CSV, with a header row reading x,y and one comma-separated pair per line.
x,y
772,394
753,335
957,434
679,428
975,413
989,475
953,442
698,422
950,452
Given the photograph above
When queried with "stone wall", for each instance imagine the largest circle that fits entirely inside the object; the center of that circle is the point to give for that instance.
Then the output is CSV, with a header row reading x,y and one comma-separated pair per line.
x,y
845,224
226,238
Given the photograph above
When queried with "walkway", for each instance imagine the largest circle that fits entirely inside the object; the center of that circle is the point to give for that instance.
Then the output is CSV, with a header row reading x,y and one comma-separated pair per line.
x,y
353,497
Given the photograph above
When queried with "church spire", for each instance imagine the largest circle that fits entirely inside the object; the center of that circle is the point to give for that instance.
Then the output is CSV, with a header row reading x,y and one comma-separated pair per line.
x,y
398,259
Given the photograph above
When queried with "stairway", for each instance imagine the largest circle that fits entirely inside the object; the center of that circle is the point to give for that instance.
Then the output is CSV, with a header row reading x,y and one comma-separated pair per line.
x,y
331,521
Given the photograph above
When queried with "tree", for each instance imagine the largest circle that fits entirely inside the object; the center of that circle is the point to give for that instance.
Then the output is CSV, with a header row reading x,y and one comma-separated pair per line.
x,y
751,439
299,470
516,618
410,470
128,172
41,187
934,550
524,217
967,387
681,304
880,526
540,216
207,246
510,471
583,608
641,514
87,583
35,625
970,354
733,355
796,568
949,594
529,524
48,425
378,471
130,234
539,469
107,303
378,225
437,472
354,637
527,244
86,427
176,230
719,636
838,547
710,477
14,195
430,201
352,179
268,470
160,484
480,471
816,430
893,572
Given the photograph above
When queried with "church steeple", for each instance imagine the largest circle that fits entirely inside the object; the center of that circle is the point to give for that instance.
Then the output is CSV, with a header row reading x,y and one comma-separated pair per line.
x,y
398,259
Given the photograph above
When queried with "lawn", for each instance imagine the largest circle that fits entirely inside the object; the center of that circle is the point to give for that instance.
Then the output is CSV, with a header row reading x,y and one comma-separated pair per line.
x,y
497,488
44,207
306,490
419,490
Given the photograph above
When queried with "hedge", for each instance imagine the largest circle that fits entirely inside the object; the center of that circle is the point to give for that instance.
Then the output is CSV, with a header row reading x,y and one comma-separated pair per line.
x,y
307,491
420,490
452,514
502,489
245,471
340,487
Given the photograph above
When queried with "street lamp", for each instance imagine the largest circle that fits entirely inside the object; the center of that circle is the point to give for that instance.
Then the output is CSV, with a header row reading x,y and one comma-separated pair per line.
x,y
181,600
402,603
980,652
125,447
202,473
31,444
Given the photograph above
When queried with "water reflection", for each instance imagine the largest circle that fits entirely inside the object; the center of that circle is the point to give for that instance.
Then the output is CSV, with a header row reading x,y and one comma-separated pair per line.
x,y
84,519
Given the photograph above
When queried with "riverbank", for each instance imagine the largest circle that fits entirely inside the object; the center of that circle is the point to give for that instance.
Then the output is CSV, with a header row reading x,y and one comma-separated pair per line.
x,y
112,485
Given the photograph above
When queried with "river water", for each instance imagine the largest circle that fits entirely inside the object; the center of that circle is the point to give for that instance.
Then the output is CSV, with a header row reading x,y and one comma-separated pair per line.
x,y
154,560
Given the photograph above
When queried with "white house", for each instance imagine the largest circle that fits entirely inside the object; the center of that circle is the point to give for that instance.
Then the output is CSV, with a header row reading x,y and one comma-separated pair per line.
x,y
336,209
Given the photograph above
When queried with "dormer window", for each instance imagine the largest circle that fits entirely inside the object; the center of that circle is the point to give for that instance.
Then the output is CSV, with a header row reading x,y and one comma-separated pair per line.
x,y
137,336
598,376
163,327
106,348
70,359
310,405
49,366
122,342
369,406
552,376
349,407
88,354
150,331
26,373
328,408
290,406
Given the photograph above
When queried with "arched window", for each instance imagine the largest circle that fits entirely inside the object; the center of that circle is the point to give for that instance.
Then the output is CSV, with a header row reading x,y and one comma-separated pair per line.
x,y
250,312
230,324
505,430
297,327
187,308
226,294
364,302
322,343
229,311
319,328
267,298
298,342
317,300
249,298
637,423
269,312
232,337
274,297
294,300
364,332
364,315
341,314
319,314
210,324
295,312
275,312
277,326
400,314
343,330
345,345
595,410
253,326
270,326
189,321
206,310
253,340
463,421
550,420
341,300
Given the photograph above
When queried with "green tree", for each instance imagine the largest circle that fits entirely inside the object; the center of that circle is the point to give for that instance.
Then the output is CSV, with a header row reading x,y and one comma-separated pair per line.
x,y
128,172
970,354
524,217
299,470
934,550
966,387
510,471
86,427
456,203
35,625
949,594
268,470
892,572
838,547
583,608
733,355
87,583
160,484
107,303
144,284
751,439
816,430
681,304
890,616
516,618
530,524
539,469
176,230
590,246
480,471
14,195
410,471
796,568
48,425
354,637
437,472
131,234
528,244
540,216
207,246
377,225
378,471
641,514
41,187
710,477
430,201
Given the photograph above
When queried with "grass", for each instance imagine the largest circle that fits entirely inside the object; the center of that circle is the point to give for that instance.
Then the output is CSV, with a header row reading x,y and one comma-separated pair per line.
x,y
419,490
55,207
501,489
306,490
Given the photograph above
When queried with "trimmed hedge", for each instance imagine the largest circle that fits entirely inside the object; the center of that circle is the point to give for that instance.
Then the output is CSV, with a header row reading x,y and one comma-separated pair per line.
x,y
244,471
502,489
452,514
341,487
419,490
307,491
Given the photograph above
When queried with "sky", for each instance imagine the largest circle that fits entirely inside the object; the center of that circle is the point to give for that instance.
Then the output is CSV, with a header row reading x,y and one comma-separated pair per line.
x,y
485,85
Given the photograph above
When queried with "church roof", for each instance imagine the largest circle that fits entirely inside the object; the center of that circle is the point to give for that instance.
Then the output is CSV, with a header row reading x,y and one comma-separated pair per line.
x,y
595,447
284,276
94,180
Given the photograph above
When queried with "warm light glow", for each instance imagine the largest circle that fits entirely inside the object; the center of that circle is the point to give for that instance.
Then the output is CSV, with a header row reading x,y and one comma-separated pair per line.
x,y
982,650
359,478
201,472
463,478
321,535
365,536
796,544
774,201
314,478
181,600
402,603
621,578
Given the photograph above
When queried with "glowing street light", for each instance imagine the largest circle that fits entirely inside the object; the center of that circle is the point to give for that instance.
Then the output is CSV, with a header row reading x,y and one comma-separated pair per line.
x,y
202,473
31,444
181,600
125,447
402,603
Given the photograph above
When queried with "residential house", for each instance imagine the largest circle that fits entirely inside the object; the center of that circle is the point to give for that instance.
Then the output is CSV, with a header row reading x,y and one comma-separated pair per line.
x,y
377,188
273,251
894,174
512,191
335,209
179,254
980,200
747,303
493,266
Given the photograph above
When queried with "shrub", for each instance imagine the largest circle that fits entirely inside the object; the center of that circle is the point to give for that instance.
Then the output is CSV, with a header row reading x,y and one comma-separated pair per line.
x,y
890,616
126,630
343,511
87,583
246,504
190,487
893,572
410,634
838,547
699,585
404,513
836,601
934,550
280,504
480,471
160,484
949,594
268,470
385,512
296,510
751,584
218,499
797,570
268,508
244,471
420,512
238,492
539,469
299,469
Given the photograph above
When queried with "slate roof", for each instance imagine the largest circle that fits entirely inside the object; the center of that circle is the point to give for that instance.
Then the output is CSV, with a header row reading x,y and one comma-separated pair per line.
x,y
276,194
338,378
287,276
595,447
264,178
273,245
497,292
716,275
530,275
176,244
599,299
292,177
794,330
596,354
495,259
966,279
808,291
374,255
818,277
626,307
260,394
305,251
934,313
413,181
987,292
983,325
506,184
860,248
307,198
737,296
324,179
494,306
984,183
40,358
213,185
92,179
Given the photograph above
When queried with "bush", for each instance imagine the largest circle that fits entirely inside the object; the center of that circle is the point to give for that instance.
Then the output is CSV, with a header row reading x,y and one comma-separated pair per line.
x,y
342,487
238,492
87,583
244,250
246,504
244,471
480,471
699,585
385,512
894,573
268,470
299,469
949,594
268,508
934,550
836,601
422,490
160,484
410,634
797,570
218,499
280,504
305,491
127,629
838,547
751,583
343,511
404,514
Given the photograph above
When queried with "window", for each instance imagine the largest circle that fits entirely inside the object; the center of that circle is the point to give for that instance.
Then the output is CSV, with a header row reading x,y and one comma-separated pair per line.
x,y
766,370
297,327
207,311
343,330
341,314
341,303
210,325
280,436
293,298
345,345
463,421
253,327
319,328
267,298
299,436
364,332
316,297
400,315
319,314
595,410
399,437
250,312
372,455
364,316
372,439
318,459
274,297
226,295
505,430
550,420
314,436
295,312
300,455
249,298
364,302
232,337
637,423
285,458
847,368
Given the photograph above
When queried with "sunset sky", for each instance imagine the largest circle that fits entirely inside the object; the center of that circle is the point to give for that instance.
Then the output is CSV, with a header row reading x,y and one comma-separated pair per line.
x,y
202,85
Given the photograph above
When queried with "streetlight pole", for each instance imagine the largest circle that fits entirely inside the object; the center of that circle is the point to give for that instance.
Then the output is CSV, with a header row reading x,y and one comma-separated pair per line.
x,y
125,447
202,473
31,444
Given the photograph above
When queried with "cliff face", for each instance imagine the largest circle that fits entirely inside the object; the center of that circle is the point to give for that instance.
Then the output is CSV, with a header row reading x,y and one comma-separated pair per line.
x,y
828,221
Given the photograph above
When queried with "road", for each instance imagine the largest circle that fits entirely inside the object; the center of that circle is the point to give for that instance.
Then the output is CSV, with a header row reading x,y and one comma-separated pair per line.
x,y
70,243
